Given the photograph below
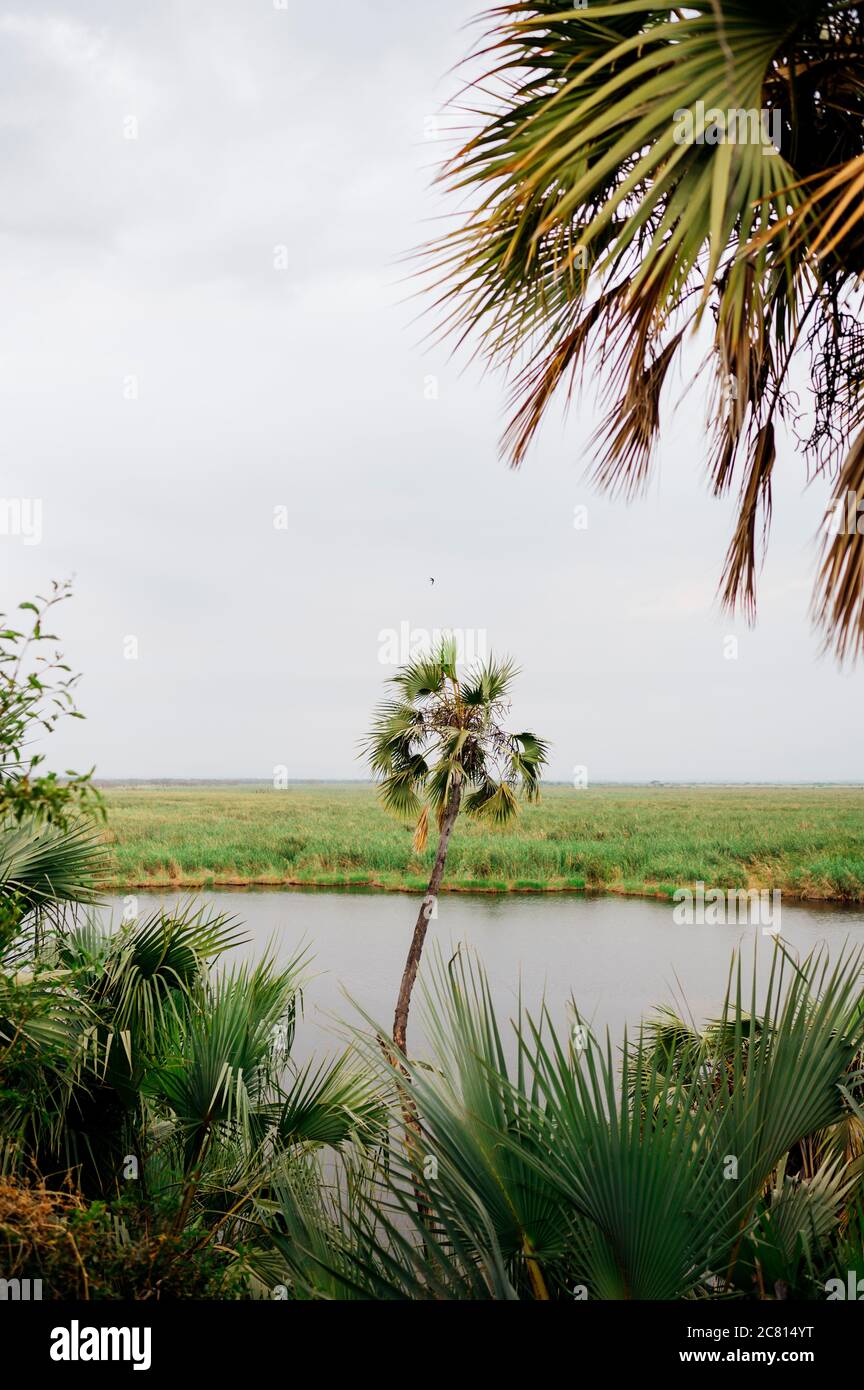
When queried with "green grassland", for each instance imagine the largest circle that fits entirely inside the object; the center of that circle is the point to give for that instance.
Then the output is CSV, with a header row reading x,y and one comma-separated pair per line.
x,y
807,841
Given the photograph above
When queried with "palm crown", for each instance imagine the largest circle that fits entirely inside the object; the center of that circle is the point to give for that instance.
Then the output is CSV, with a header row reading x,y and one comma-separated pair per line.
x,y
442,736
602,230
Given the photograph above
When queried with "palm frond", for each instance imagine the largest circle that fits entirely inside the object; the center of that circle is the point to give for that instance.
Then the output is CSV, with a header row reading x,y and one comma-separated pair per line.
x,y
41,864
621,183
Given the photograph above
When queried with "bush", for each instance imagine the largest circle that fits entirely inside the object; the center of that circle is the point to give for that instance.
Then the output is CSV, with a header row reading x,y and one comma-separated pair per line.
x,y
98,1250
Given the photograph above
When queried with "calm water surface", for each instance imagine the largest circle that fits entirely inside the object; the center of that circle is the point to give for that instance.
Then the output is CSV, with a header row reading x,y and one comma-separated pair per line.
x,y
617,957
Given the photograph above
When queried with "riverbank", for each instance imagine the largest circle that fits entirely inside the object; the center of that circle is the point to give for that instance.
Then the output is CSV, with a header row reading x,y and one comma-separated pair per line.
x,y
806,841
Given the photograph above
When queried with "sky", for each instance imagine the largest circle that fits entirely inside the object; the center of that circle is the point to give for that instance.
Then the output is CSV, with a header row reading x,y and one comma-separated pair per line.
x,y
253,463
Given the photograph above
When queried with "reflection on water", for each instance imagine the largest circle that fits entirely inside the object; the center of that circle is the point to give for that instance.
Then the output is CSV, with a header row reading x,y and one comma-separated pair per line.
x,y
617,956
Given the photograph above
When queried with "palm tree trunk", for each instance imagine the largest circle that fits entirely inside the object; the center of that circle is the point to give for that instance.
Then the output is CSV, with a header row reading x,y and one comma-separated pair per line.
x,y
409,974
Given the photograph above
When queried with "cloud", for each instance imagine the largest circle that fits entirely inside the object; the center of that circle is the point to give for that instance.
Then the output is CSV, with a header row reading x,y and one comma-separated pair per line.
x,y
145,253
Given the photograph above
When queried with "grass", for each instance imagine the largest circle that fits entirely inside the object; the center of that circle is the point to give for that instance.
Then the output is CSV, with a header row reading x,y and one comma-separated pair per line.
x,y
806,841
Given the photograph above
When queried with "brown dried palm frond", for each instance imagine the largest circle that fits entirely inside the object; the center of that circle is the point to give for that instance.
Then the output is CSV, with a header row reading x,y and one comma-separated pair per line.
x,y
839,598
598,237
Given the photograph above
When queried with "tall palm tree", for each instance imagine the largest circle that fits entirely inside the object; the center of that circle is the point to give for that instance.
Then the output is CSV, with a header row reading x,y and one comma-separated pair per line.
x,y
620,197
440,745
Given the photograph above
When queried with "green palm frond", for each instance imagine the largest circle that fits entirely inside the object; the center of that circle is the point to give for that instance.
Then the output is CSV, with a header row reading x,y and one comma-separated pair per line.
x,y
785,1080
41,865
494,802
425,676
440,782
330,1104
152,965
399,793
528,756
794,1224
488,683
445,732
645,1182
217,1062
397,729
358,1238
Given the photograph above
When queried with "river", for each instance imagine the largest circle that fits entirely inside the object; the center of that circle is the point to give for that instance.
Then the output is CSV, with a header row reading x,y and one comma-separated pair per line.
x,y
618,957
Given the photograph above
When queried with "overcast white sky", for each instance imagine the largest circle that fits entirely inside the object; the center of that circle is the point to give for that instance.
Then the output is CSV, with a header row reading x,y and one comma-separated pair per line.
x,y
304,389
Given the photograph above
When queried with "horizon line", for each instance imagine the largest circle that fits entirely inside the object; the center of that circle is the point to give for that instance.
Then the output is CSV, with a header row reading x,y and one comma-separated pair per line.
x,y
548,782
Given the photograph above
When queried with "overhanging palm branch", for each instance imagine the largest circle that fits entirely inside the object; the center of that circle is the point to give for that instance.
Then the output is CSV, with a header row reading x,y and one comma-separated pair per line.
x,y
608,222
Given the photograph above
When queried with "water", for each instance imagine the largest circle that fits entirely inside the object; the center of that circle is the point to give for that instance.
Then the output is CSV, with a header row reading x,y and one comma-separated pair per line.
x,y
617,957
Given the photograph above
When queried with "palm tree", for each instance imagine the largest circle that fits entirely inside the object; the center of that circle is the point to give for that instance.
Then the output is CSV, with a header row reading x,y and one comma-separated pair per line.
x,y
440,740
621,197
